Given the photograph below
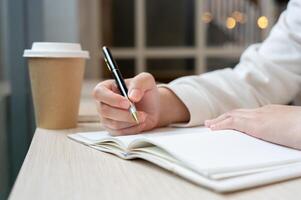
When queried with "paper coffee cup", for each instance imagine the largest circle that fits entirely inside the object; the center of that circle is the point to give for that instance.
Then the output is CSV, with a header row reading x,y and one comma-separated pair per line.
x,y
56,73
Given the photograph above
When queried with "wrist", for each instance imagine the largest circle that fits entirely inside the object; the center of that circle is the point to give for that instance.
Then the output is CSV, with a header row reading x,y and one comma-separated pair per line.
x,y
172,109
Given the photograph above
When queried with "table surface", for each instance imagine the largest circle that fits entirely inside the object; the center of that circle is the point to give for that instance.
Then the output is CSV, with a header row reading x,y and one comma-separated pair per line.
x,y
58,168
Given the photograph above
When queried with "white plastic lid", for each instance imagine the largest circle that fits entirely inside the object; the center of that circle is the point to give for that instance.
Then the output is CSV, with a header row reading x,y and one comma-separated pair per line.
x,y
56,50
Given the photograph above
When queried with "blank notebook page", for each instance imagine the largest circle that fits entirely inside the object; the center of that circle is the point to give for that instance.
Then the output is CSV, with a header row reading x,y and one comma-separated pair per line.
x,y
210,152
224,151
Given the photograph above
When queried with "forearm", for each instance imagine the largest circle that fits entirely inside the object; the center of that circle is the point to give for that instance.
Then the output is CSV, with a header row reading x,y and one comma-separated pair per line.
x,y
261,77
172,109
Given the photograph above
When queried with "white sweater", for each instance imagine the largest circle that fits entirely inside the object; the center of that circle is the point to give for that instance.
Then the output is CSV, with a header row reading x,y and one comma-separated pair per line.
x,y
268,73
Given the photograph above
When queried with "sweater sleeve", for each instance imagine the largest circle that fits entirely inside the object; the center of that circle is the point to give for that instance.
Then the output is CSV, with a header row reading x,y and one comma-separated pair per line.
x,y
267,73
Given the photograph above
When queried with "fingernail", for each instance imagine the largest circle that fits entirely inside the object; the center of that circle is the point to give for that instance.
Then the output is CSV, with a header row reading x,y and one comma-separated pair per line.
x,y
134,93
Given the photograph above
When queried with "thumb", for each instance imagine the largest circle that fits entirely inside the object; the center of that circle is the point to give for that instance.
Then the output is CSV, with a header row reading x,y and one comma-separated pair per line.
x,y
139,85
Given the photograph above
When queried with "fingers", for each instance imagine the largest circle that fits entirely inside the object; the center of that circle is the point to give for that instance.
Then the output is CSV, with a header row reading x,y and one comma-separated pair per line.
x,y
238,112
234,123
222,117
238,123
115,125
108,93
117,114
128,131
113,107
105,92
119,121
139,85
240,120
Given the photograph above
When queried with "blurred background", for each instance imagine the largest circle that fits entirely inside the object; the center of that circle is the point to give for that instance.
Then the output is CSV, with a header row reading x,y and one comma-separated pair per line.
x,y
168,38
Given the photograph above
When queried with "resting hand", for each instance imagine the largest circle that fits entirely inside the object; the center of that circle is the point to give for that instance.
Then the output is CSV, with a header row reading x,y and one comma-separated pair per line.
x,y
274,123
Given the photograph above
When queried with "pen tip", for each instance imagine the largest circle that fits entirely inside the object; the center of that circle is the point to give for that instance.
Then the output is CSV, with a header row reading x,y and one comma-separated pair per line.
x,y
135,117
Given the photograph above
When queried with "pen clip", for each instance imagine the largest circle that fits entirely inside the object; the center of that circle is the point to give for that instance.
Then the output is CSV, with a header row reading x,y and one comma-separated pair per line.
x,y
108,58
106,61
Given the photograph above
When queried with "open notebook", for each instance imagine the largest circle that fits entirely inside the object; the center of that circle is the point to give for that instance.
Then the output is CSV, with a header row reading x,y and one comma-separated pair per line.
x,y
223,161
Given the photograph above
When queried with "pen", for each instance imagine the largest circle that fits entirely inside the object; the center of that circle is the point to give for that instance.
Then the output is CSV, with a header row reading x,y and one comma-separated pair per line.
x,y
112,65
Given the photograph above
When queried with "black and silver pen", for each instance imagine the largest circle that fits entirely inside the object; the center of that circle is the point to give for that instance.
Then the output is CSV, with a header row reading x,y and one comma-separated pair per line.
x,y
112,65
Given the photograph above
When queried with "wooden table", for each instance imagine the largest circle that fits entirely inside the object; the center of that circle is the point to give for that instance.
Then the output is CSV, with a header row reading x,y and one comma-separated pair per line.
x,y
58,168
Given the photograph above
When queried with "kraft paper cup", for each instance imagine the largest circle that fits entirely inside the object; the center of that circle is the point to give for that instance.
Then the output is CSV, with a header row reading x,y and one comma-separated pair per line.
x,y
56,73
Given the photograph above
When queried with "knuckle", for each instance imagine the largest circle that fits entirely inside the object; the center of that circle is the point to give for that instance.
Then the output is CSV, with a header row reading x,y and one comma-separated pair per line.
x,y
232,113
100,87
106,83
147,76
96,92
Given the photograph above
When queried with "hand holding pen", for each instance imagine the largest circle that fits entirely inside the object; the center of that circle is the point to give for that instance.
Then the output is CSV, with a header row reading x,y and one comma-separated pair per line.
x,y
112,66
116,104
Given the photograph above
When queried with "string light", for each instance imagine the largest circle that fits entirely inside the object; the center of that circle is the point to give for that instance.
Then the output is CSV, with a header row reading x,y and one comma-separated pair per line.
x,y
207,17
230,23
239,17
262,22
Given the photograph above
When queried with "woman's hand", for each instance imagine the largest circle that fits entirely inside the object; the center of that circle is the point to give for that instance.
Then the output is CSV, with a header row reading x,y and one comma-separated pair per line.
x,y
274,123
113,107
156,106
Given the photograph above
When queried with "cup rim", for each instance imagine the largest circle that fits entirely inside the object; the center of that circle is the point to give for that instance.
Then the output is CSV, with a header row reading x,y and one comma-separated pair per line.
x,y
56,50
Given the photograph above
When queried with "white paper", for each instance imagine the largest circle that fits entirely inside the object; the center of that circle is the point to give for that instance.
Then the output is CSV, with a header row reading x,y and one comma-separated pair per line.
x,y
209,153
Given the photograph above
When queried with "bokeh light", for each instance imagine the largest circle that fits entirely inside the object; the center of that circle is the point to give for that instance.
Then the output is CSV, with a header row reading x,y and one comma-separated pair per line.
x,y
230,23
239,17
262,22
207,17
